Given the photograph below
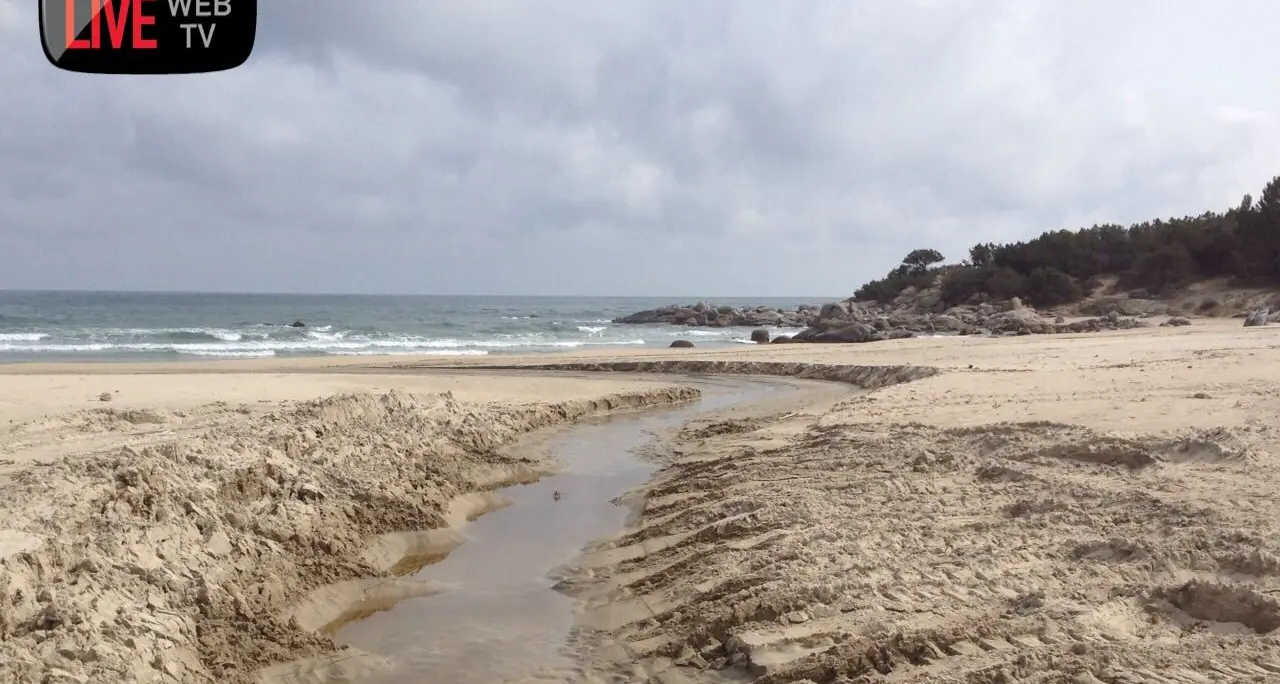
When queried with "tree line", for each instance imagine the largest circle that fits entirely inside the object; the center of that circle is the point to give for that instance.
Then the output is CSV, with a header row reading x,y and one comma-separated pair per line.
x,y
1060,267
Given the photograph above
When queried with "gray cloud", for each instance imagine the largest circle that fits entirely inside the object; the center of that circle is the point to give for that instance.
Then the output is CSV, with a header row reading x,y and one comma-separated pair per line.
x,y
632,147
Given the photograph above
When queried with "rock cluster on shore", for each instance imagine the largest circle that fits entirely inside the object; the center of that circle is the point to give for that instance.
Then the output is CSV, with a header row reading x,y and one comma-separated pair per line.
x,y
705,315
871,322
863,323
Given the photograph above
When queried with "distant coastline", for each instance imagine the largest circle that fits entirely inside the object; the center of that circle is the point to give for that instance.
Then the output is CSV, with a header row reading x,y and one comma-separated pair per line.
x,y
45,326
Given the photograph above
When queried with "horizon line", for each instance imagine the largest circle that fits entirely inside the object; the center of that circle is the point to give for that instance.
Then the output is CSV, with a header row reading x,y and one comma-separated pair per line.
x,y
394,294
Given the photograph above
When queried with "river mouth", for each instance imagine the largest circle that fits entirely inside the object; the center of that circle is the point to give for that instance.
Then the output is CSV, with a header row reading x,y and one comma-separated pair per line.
x,y
497,616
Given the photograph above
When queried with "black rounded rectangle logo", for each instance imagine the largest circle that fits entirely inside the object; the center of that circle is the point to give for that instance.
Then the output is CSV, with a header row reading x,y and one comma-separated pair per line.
x,y
148,36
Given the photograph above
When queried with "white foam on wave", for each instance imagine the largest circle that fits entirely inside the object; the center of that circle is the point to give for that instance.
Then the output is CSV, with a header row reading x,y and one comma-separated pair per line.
x,y
592,330
54,348
350,345
216,333
224,335
411,352
23,337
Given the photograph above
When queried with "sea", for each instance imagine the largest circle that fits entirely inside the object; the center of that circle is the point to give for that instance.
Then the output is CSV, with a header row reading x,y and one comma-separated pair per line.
x,y
170,326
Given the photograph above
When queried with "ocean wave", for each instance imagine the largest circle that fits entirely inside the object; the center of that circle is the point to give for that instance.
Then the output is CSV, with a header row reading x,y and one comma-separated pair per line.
x,y
433,352
592,329
194,335
176,334
23,337
407,345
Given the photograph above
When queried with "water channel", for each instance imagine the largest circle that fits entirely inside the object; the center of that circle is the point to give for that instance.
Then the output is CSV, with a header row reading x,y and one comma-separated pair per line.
x,y
501,620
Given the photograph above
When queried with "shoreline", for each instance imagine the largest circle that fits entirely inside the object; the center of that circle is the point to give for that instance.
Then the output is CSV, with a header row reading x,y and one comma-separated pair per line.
x,y
998,452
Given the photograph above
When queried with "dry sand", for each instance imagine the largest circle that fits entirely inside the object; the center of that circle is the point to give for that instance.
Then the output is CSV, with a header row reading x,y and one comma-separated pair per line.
x,y
1095,508
1078,508
154,538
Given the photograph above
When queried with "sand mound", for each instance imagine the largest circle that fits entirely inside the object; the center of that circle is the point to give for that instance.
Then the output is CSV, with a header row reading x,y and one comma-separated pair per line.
x,y
170,561
868,377
1034,551
1222,602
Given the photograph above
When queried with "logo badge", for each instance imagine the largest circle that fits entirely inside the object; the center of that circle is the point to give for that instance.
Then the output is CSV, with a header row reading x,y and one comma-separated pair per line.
x,y
148,36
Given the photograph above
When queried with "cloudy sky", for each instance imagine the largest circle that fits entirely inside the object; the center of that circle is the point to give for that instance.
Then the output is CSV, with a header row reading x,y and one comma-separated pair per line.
x,y
628,147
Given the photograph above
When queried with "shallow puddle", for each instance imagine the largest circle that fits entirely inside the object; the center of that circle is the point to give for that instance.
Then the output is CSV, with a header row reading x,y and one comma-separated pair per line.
x,y
499,620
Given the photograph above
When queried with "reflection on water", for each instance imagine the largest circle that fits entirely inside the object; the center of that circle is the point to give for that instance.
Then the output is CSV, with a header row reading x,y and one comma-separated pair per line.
x,y
501,621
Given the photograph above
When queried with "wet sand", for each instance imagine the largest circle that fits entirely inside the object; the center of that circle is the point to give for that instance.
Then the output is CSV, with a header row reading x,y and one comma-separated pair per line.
x,y
1072,508
501,618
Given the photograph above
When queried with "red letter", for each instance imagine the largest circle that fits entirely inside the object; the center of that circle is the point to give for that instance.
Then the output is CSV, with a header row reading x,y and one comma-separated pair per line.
x,y
73,43
115,21
95,8
139,20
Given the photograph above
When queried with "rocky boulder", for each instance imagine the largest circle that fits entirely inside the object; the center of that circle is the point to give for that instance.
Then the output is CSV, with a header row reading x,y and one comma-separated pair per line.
x,y
1018,321
760,336
681,344
1101,324
833,310
871,322
852,333
703,314
849,332
1257,317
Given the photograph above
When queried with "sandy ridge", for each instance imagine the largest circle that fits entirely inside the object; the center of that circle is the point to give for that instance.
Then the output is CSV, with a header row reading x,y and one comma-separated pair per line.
x,y
856,549
867,377
168,561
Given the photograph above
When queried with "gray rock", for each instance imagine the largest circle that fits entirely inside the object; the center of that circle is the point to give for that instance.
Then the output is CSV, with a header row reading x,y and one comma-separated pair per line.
x,y
760,336
1020,320
1176,321
1257,317
703,314
854,332
833,310
681,344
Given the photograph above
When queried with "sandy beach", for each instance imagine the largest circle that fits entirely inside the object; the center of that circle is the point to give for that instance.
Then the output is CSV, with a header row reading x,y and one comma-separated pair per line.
x,y
1045,508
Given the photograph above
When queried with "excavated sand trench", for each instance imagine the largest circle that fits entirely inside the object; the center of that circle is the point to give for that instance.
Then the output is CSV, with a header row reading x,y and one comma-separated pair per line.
x,y
496,617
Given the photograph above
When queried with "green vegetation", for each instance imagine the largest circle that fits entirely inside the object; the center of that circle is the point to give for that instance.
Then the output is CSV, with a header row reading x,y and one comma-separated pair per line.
x,y
1060,267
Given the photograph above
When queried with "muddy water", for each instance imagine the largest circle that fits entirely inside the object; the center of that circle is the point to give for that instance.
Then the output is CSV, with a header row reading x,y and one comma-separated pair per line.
x,y
500,620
